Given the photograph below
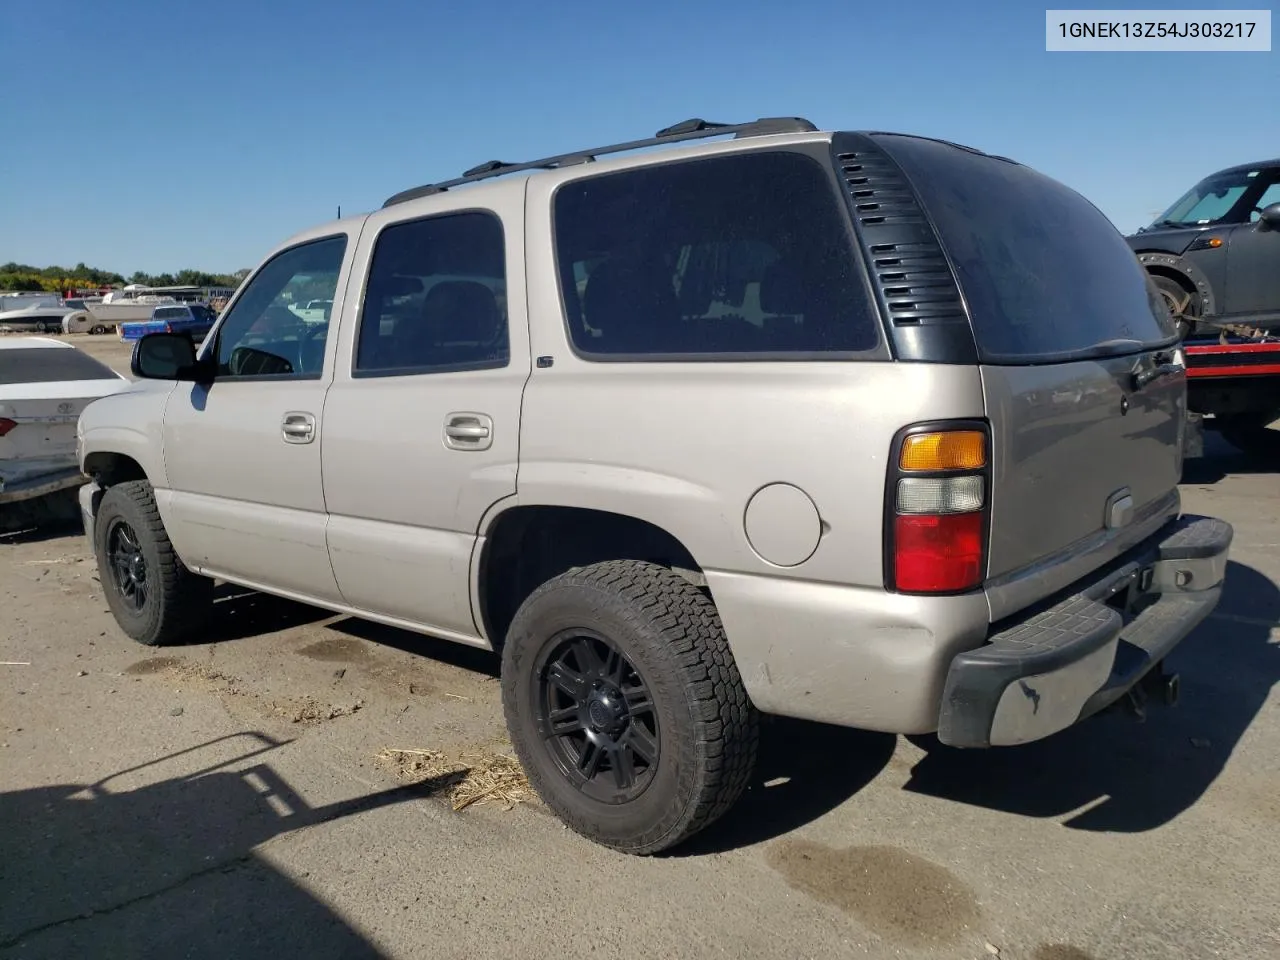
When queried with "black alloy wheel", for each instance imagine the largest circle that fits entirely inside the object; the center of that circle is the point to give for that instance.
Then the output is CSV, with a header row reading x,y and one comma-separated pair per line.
x,y
624,704
597,715
152,595
128,565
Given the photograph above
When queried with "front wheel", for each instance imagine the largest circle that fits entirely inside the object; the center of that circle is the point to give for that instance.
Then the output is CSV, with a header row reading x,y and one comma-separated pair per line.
x,y
153,596
625,706
1182,303
97,330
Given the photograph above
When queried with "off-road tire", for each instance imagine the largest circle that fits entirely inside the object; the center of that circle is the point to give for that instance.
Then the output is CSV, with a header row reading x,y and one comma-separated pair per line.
x,y
708,729
178,600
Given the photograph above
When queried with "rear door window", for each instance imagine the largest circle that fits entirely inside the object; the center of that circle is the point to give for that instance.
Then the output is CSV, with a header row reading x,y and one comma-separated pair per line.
x,y
745,256
436,298
50,364
1046,276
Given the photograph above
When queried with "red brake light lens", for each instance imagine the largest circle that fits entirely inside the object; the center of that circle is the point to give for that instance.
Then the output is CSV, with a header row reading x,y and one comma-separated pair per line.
x,y
6,425
937,553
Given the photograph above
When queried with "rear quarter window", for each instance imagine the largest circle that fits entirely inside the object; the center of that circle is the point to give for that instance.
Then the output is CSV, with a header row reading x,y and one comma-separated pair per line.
x,y
50,364
1044,273
747,256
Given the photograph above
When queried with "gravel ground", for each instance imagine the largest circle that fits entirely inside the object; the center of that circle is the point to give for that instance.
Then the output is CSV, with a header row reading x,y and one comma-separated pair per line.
x,y
227,799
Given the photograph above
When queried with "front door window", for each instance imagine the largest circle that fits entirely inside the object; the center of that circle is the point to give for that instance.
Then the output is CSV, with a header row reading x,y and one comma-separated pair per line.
x,y
269,331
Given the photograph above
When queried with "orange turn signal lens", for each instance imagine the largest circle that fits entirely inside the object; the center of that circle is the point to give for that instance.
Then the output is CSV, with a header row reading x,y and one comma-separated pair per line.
x,y
952,450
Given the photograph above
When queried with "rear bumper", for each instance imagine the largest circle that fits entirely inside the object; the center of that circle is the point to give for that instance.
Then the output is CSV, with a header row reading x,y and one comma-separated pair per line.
x,y
16,487
1064,663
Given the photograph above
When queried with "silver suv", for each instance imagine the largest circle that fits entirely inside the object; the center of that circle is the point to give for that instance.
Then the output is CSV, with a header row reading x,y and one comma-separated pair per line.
x,y
863,428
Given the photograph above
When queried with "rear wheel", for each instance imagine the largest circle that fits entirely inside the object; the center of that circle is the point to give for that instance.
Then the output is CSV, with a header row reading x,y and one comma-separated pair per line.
x,y
1183,303
153,596
625,706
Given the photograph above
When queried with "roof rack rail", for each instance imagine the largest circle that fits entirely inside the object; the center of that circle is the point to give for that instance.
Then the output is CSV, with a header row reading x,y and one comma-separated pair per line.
x,y
693,129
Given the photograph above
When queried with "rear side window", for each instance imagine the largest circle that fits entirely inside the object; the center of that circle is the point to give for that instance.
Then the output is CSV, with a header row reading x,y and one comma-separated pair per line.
x,y
743,256
50,364
436,298
1045,274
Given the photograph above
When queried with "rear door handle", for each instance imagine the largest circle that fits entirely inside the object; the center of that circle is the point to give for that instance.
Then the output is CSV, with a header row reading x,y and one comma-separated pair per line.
x,y
468,431
298,427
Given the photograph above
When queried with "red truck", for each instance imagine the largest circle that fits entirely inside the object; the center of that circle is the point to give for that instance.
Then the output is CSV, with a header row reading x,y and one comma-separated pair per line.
x,y
1237,384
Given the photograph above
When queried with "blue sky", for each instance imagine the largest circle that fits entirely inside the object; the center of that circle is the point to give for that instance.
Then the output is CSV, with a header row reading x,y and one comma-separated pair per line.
x,y
155,136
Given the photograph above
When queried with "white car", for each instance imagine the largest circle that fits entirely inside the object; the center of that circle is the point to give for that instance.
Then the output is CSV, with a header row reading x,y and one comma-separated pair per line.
x,y
44,385
316,311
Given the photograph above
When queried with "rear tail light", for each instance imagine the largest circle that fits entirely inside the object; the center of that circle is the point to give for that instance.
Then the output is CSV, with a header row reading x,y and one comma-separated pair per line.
x,y
940,494
938,499
6,425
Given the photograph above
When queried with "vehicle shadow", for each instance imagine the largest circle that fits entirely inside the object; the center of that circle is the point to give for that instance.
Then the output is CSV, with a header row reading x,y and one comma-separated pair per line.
x,y
805,770
431,648
1220,460
237,613
168,869
25,529
1123,776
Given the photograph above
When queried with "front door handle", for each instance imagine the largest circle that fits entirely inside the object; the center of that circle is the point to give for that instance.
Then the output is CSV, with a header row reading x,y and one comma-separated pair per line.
x,y
298,427
468,431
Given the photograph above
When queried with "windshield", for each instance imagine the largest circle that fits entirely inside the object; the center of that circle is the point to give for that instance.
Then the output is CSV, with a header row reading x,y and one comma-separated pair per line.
x,y
1210,200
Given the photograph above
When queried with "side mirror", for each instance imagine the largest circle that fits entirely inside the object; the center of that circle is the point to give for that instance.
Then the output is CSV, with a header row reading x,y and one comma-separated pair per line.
x,y
1270,215
165,356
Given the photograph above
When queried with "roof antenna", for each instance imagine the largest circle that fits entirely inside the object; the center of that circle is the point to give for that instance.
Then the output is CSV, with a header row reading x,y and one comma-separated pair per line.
x,y
339,211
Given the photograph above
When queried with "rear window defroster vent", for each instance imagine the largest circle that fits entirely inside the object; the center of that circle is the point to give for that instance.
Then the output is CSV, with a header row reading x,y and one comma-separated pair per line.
x,y
907,263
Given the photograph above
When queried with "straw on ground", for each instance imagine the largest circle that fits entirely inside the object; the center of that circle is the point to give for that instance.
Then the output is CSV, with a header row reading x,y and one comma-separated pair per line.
x,y
477,777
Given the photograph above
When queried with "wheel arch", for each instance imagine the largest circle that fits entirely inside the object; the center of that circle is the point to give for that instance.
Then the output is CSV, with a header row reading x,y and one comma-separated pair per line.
x,y
118,449
523,545
108,467
1182,271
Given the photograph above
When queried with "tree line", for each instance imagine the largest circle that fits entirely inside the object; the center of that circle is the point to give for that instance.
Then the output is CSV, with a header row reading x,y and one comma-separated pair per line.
x,y
21,276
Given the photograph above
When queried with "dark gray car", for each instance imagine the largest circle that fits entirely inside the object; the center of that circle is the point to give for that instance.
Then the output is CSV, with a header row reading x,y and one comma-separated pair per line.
x,y
1215,253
